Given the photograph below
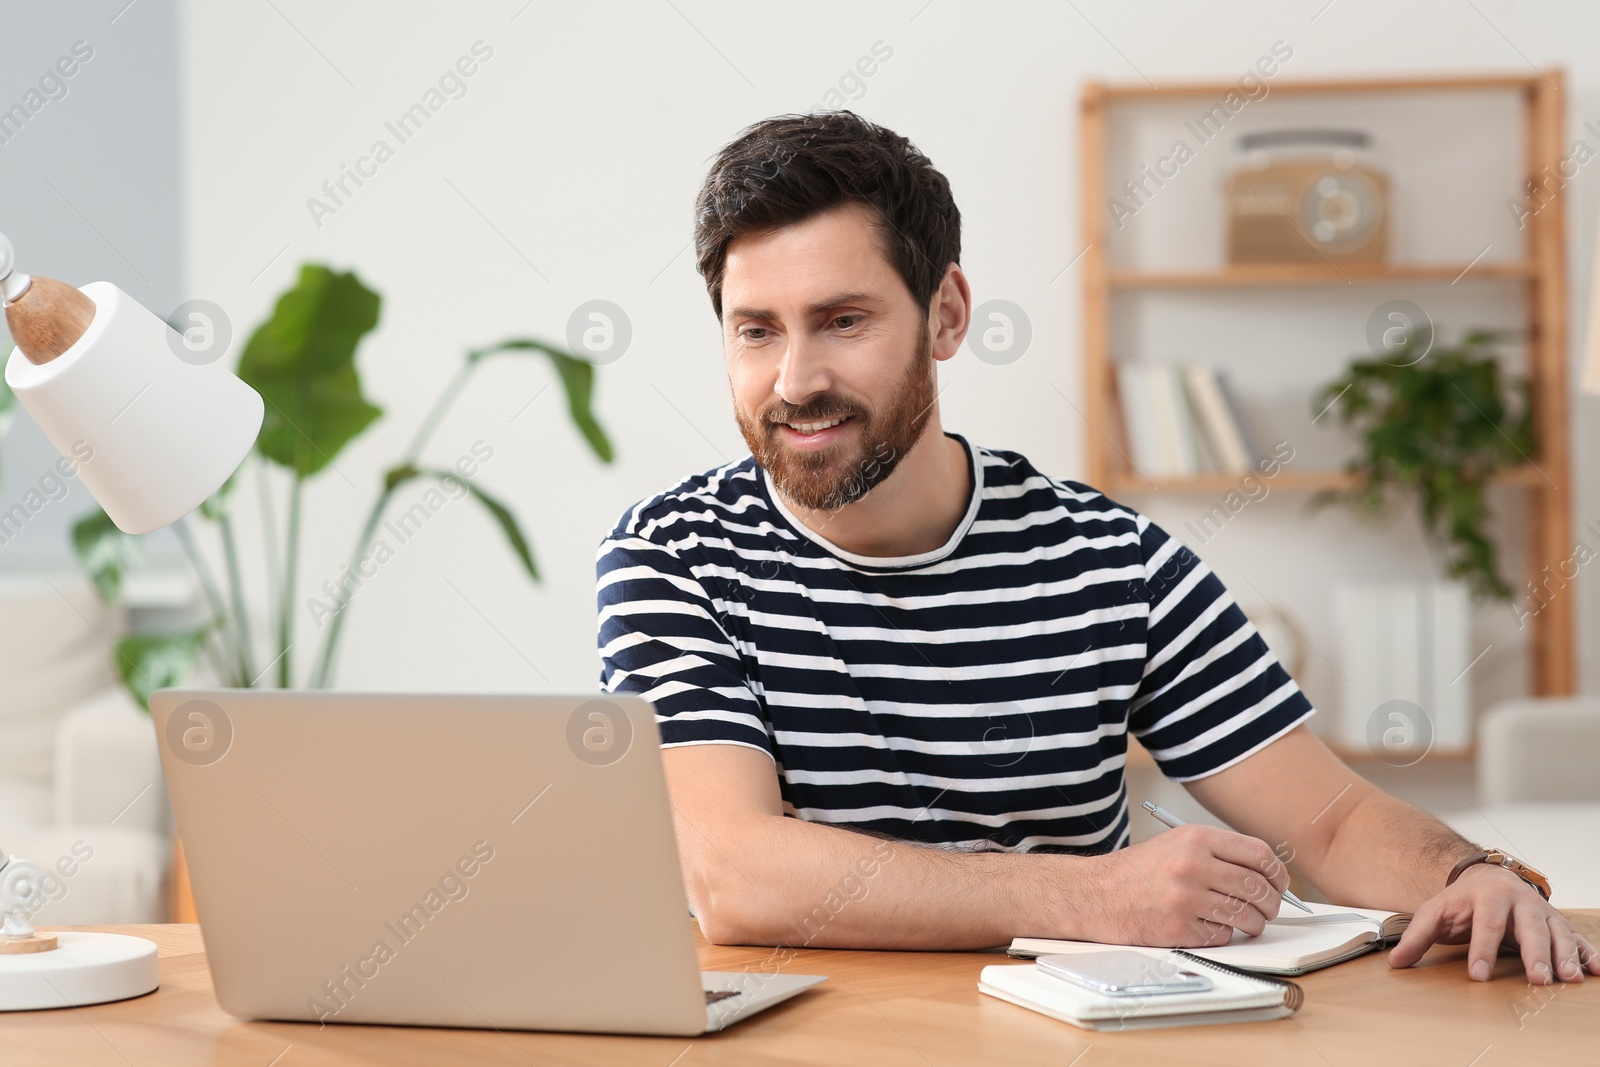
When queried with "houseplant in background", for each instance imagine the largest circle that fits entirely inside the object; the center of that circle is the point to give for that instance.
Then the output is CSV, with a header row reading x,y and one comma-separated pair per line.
x,y
1436,422
302,362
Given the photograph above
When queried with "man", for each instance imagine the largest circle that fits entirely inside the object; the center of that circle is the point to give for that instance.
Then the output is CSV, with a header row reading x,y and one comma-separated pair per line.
x,y
897,670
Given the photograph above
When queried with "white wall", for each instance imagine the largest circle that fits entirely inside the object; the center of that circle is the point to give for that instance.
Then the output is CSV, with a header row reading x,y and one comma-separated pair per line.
x,y
567,173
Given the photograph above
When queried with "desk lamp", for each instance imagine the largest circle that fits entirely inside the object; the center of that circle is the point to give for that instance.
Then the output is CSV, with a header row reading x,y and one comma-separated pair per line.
x,y
114,386
155,433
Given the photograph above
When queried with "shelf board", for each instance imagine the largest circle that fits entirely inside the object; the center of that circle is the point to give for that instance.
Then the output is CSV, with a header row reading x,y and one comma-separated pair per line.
x,y
1302,480
1320,274
1429,83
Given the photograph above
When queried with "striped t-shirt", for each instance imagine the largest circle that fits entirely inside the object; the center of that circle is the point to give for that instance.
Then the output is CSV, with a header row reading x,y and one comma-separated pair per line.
x,y
975,697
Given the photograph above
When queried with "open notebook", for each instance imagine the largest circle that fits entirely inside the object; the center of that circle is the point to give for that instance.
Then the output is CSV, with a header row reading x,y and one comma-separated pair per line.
x,y
1234,996
1293,943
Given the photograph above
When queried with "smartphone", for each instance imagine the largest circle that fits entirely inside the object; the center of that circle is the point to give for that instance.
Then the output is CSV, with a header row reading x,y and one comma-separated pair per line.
x,y
1119,972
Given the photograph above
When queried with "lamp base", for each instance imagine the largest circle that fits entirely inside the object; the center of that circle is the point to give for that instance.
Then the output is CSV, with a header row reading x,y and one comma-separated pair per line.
x,y
84,968
21,946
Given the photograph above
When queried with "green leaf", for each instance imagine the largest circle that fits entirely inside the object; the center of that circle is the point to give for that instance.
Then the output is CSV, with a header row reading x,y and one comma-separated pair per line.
x,y
148,662
105,552
502,515
302,362
402,473
577,378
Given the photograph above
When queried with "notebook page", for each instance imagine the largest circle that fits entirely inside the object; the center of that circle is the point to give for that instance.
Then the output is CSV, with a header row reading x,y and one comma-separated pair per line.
x,y
1291,941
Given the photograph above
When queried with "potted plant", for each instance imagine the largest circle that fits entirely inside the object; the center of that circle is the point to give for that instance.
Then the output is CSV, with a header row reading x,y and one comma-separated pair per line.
x,y
301,361
1436,422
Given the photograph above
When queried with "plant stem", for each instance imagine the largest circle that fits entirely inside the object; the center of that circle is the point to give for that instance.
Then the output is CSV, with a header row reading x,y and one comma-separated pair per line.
x,y
286,618
431,421
219,609
269,526
241,615
211,653
322,674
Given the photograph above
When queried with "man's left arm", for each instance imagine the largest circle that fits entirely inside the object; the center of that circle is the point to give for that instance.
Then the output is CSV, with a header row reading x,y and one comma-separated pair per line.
x,y
1365,848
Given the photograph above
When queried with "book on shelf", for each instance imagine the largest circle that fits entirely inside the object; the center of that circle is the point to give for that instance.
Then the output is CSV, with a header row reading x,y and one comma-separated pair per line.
x,y
1182,420
1134,385
1177,428
1219,419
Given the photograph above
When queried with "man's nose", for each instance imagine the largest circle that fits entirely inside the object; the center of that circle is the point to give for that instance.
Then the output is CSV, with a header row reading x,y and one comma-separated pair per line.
x,y
803,371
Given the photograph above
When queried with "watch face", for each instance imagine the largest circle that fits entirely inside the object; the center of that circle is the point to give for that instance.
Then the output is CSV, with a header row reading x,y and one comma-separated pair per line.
x,y
1523,871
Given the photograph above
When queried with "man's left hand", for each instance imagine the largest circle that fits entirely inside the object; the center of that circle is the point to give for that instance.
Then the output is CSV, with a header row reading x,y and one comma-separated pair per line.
x,y
1489,906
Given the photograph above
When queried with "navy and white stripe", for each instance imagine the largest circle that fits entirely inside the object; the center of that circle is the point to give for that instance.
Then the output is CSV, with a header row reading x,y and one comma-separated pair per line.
x,y
975,697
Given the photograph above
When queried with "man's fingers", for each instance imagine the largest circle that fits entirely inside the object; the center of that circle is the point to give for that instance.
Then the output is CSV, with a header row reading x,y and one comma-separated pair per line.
x,y
1564,953
1208,932
1533,938
1248,899
1488,931
1236,912
1588,955
1259,890
1253,854
1418,937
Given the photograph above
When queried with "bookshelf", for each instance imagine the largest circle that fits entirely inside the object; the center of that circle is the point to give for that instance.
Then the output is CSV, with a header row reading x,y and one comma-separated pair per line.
x,y
1536,273
1319,274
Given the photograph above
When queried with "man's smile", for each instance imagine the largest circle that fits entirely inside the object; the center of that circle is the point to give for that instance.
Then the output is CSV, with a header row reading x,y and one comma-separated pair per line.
x,y
814,435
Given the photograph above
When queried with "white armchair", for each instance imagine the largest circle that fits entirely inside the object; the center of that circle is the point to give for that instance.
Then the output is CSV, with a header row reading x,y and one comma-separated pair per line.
x,y
81,791
1540,749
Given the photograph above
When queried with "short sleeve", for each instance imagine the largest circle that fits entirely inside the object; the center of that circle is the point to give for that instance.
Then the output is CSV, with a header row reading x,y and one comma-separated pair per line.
x,y
660,637
1212,691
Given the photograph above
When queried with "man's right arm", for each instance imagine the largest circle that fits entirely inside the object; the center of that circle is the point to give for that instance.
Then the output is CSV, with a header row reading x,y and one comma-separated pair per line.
x,y
756,877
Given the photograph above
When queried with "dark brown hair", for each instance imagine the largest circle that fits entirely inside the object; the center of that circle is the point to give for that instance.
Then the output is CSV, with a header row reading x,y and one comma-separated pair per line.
x,y
786,169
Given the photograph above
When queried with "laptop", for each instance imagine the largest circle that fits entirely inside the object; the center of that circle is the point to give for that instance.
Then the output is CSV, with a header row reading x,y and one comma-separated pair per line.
x,y
441,860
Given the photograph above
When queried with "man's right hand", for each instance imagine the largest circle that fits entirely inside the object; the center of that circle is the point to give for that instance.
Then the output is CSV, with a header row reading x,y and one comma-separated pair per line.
x,y
1184,888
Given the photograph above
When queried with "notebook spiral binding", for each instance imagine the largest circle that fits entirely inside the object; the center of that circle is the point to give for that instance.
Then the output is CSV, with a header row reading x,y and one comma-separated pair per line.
x,y
1293,995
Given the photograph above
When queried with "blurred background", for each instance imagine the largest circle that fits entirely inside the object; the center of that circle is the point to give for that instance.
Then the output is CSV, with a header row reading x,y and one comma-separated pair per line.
x,y
524,169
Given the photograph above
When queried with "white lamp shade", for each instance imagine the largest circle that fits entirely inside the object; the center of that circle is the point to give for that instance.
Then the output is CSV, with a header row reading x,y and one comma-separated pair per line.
x,y
152,435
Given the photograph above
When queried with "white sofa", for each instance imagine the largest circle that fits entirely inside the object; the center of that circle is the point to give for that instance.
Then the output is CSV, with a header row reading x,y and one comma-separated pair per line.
x,y
81,791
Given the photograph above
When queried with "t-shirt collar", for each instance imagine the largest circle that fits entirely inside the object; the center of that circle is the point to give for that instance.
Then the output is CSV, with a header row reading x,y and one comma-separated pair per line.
x,y
889,562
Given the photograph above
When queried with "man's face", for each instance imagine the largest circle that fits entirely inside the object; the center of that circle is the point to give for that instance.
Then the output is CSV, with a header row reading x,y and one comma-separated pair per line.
x,y
828,356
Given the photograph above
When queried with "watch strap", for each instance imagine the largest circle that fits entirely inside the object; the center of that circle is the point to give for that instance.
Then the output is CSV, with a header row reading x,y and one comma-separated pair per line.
x,y
1500,858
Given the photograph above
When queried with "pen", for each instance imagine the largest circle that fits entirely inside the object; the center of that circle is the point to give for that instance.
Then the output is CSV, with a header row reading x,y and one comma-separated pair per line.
x,y
1174,822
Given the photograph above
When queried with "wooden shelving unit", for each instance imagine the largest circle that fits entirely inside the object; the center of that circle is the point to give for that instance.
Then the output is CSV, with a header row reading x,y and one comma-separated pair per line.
x,y
1319,274
1122,481
1541,277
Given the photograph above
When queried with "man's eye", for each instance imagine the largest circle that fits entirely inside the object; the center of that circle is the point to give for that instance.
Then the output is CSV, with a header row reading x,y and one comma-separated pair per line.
x,y
846,321
755,333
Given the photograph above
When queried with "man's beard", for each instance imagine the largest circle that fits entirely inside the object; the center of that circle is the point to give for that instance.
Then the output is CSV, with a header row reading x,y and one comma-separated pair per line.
x,y
839,475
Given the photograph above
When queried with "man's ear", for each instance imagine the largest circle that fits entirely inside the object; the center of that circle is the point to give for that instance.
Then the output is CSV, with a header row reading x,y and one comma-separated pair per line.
x,y
949,313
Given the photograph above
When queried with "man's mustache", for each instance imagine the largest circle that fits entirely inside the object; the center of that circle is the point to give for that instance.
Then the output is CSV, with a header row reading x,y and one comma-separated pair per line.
x,y
820,413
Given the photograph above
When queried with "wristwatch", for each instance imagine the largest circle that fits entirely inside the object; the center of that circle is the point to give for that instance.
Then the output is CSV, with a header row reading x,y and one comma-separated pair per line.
x,y
1502,858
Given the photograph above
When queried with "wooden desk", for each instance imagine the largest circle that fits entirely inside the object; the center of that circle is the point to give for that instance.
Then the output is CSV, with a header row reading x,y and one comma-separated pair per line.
x,y
881,1008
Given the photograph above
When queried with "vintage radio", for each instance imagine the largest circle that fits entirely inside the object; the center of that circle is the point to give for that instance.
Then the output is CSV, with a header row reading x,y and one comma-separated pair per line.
x,y
1307,196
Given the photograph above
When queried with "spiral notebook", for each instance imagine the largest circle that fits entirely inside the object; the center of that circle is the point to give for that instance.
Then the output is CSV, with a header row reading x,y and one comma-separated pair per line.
x,y
1235,996
1292,944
